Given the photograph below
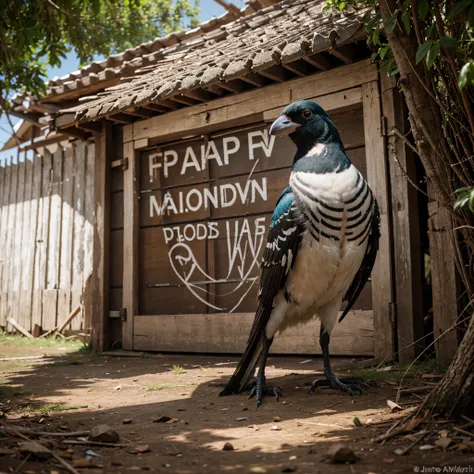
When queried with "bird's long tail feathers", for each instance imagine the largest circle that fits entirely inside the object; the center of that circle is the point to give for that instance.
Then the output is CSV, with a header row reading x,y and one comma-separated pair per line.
x,y
246,367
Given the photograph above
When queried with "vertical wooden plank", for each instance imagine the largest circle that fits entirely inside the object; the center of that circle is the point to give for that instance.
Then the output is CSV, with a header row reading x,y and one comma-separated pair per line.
x,y
406,227
52,273
42,240
377,173
6,209
23,311
98,305
78,232
15,274
88,233
65,264
130,243
443,283
36,244
10,241
50,307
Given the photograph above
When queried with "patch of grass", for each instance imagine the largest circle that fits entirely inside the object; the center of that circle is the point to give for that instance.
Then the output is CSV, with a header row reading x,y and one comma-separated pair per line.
x,y
145,355
177,369
49,408
397,372
7,339
164,386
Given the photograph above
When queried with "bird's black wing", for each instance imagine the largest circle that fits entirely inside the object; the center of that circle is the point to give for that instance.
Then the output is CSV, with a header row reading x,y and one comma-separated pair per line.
x,y
365,269
283,240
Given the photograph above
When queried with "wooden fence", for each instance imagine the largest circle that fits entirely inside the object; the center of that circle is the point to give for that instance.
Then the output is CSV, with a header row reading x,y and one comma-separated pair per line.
x,y
46,237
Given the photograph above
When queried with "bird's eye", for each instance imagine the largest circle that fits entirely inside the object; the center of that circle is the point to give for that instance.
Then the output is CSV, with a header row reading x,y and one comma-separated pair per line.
x,y
307,114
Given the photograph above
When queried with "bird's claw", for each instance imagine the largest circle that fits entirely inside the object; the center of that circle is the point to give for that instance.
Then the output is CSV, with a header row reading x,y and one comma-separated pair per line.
x,y
259,390
350,385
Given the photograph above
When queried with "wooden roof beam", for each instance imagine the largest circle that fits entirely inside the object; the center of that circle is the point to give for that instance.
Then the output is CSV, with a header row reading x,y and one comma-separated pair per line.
x,y
155,108
76,132
346,53
181,99
235,85
121,118
299,67
169,104
200,95
216,90
140,112
254,79
93,127
276,73
319,61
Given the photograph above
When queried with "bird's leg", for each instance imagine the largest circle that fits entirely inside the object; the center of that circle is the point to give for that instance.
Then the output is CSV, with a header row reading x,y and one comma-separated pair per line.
x,y
349,385
259,389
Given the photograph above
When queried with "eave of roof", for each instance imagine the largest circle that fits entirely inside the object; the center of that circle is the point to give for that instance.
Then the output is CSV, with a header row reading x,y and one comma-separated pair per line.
x,y
249,49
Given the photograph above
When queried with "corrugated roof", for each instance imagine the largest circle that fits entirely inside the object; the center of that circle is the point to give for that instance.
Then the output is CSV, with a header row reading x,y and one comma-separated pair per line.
x,y
279,34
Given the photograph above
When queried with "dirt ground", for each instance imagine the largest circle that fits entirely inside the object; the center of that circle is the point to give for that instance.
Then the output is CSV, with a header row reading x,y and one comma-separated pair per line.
x,y
292,435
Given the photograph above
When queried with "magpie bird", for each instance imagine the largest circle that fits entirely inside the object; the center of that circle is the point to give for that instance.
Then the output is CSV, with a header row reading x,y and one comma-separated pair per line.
x,y
321,247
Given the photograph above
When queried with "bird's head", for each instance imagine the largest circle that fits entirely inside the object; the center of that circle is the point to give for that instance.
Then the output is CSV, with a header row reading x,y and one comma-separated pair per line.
x,y
307,124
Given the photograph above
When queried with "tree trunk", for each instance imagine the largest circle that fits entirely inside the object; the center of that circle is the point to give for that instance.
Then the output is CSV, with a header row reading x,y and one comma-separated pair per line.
x,y
455,392
454,395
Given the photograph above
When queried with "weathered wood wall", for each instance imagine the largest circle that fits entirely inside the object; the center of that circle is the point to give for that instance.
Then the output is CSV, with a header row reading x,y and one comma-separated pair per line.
x,y
46,231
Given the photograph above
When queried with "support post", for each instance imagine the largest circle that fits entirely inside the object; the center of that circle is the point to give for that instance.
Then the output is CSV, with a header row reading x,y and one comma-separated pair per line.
x,y
444,280
99,303
130,243
377,174
406,227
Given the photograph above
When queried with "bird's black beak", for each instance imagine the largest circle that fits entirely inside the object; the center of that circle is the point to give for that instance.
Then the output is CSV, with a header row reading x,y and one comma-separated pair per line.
x,y
283,126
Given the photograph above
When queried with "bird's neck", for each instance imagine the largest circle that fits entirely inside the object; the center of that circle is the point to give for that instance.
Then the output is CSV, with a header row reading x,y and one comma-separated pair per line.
x,y
321,158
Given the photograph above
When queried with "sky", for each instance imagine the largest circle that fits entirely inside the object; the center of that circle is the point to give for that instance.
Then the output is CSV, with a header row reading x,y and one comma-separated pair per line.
x,y
208,8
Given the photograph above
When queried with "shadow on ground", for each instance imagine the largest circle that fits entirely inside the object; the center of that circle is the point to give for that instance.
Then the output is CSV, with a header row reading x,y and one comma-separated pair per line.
x,y
291,435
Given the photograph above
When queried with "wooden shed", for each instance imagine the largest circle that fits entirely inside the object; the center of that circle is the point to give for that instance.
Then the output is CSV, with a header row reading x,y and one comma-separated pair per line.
x,y
186,177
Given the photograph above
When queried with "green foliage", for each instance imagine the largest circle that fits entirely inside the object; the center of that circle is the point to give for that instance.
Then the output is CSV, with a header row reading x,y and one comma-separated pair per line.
x,y
38,33
177,369
465,198
454,36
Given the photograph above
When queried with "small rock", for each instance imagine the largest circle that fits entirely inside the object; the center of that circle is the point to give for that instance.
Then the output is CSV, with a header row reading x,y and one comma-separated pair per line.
x,y
228,447
427,447
171,421
399,452
341,454
134,468
142,448
389,460
104,434
276,428
126,421
242,418
162,419
118,387
292,458
443,442
276,419
36,449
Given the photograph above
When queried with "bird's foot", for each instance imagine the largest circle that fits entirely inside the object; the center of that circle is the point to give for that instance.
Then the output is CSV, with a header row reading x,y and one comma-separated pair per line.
x,y
350,385
259,390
